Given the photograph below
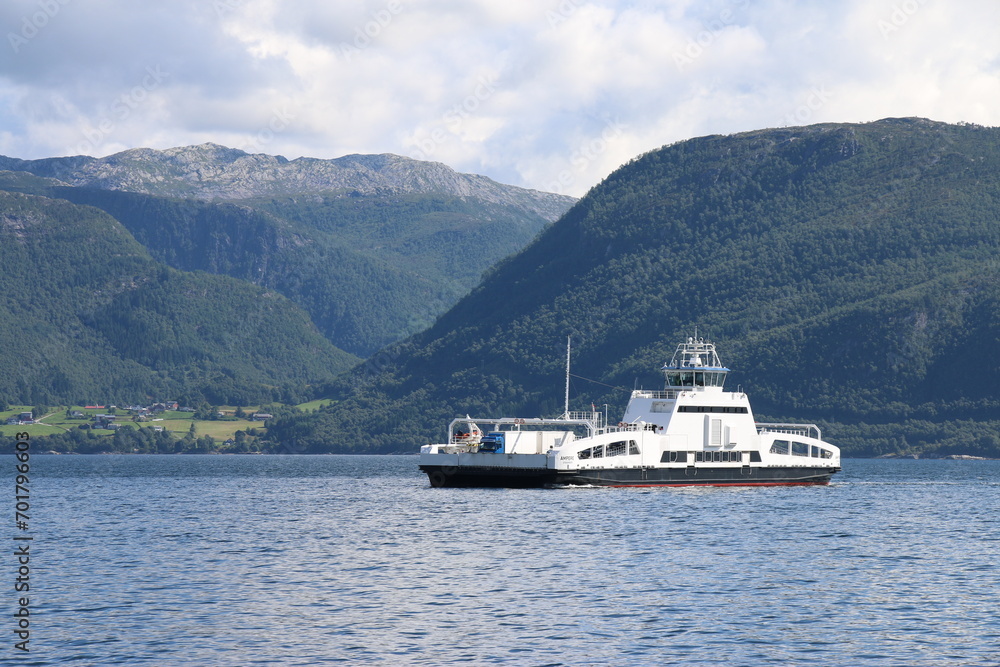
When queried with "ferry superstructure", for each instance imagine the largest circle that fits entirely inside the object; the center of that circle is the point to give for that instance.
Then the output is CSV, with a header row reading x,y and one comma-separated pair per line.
x,y
692,433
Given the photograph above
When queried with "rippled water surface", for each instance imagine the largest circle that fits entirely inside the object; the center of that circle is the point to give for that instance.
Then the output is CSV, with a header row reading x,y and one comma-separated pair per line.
x,y
315,560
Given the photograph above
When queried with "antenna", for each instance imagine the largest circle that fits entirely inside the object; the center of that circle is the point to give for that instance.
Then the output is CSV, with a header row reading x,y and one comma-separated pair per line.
x,y
566,409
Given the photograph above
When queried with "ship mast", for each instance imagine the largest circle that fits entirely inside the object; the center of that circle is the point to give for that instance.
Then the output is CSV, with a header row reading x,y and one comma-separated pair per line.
x,y
566,407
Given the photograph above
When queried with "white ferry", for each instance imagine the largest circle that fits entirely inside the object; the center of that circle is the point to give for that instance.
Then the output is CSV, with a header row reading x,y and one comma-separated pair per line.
x,y
693,433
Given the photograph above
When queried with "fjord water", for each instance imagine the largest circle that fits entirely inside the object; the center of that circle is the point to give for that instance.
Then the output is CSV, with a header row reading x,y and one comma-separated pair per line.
x,y
295,560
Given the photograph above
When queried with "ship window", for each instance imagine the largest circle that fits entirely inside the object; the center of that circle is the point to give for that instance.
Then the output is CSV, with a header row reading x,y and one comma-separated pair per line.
x,y
633,449
584,453
800,449
755,457
599,452
680,379
739,410
673,457
822,453
713,457
779,447
714,379
616,449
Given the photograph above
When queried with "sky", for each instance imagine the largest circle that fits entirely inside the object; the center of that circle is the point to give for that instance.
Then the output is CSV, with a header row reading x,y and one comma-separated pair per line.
x,y
547,94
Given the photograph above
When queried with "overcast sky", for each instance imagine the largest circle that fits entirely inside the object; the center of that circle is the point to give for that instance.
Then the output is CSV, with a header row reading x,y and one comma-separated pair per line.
x,y
549,94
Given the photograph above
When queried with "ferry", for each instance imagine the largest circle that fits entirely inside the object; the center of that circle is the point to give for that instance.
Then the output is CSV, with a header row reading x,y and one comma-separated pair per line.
x,y
692,433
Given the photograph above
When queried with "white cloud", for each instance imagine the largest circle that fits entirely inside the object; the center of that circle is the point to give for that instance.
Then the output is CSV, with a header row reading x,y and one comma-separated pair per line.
x,y
551,94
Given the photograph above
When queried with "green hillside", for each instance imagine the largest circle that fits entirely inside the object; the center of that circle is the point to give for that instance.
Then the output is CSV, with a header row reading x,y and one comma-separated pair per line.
x,y
368,270
373,247
848,274
86,315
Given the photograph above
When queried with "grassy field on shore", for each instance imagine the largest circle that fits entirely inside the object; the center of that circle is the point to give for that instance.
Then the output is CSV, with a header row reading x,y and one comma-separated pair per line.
x,y
178,423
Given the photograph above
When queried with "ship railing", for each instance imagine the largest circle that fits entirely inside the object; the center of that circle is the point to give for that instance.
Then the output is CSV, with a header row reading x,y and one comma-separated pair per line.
x,y
594,417
646,393
622,427
805,430
590,420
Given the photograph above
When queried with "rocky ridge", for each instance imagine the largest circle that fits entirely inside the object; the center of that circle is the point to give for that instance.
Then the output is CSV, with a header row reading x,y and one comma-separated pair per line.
x,y
213,172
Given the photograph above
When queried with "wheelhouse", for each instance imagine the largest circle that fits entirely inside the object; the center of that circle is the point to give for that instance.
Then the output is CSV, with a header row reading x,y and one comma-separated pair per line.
x,y
695,364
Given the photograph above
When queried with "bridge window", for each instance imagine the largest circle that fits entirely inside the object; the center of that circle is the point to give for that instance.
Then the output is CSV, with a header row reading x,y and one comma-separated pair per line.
x,y
680,379
696,378
715,379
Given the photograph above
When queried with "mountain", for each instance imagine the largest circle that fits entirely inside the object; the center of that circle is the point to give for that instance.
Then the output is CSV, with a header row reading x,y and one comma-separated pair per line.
x,y
847,272
373,247
210,171
87,315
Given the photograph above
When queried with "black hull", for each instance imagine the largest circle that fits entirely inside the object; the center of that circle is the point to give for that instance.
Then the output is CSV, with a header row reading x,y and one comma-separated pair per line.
x,y
471,476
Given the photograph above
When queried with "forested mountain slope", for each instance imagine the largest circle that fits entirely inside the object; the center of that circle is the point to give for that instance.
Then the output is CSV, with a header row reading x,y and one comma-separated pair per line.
x,y
847,272
86,315
373,247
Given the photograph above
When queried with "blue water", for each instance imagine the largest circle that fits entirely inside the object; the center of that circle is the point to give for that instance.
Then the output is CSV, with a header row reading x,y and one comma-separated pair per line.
x,y
322,560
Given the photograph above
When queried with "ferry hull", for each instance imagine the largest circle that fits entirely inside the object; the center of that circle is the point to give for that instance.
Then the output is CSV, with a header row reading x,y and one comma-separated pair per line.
x,y
485,476
489,477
